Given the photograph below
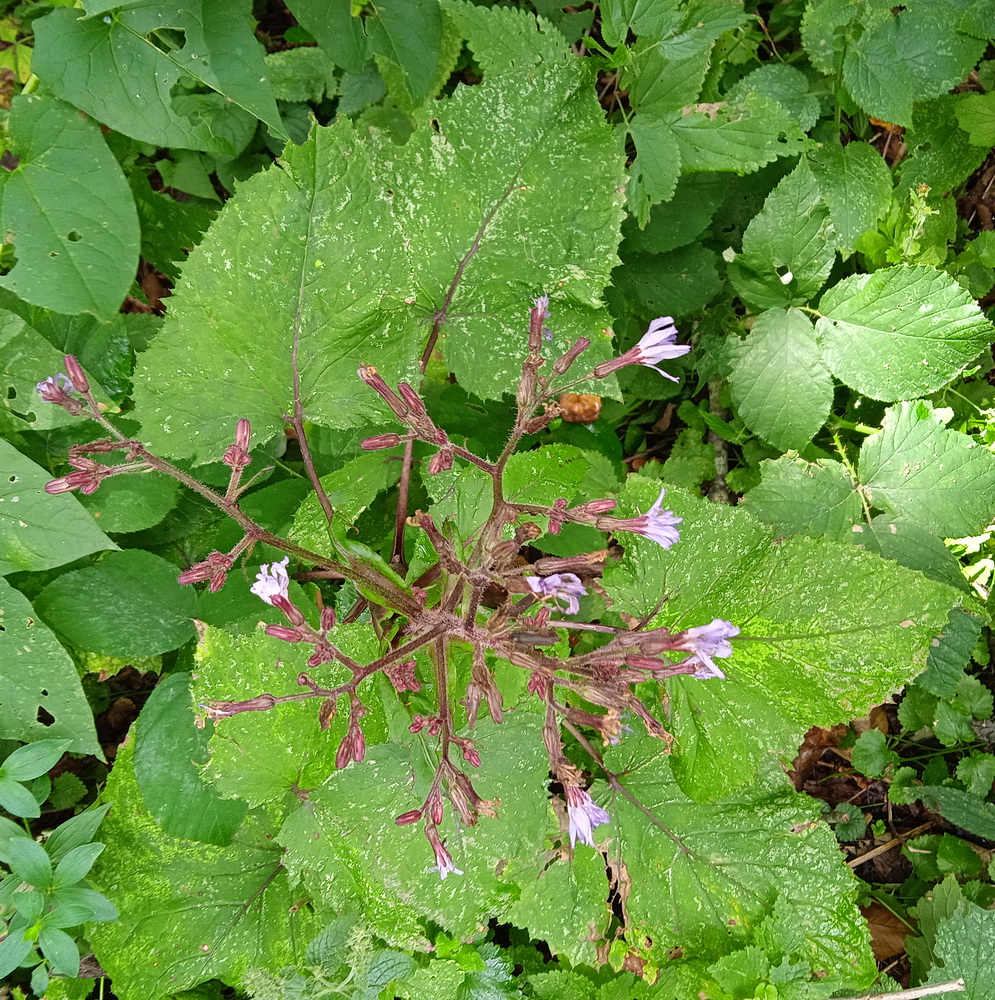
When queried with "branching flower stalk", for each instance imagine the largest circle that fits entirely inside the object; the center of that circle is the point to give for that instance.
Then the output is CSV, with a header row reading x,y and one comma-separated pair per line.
x,y
481,594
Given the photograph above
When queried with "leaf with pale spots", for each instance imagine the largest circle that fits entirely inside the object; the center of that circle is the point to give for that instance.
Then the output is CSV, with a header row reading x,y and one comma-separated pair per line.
x,y
189,911
702,877
828,630
901,332
504,191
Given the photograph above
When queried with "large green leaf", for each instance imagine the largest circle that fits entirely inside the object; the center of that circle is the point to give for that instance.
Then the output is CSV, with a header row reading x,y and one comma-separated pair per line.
x,y
805,498
918,53
480,218
900,332
262,757
123,70
346,848
36,677
189,912
700,876
409,34
780,387
69,210
129,604
336,30
918,469
739,137
964,946
856,185
828,630
168,749
39,531
788,247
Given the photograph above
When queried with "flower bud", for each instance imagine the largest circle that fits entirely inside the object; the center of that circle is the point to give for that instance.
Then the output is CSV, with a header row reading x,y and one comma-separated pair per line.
x,y
441,461
412,816
284,633
373,379
564,361
243,434
379,441
412,398
327,618
75,372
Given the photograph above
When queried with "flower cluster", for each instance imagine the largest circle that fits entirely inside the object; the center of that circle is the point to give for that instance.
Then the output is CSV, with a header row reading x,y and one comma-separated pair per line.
x,y
490,595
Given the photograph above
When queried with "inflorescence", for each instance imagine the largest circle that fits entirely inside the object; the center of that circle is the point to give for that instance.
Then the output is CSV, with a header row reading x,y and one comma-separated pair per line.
x,y
481,594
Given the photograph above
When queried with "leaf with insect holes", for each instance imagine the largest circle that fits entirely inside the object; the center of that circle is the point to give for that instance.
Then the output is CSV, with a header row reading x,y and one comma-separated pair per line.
x,y
464,217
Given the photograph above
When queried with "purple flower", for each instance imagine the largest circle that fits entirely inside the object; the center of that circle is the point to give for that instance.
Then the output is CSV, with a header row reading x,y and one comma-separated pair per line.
x,y
565,587
584,816
444,862
56,389
272,582
706,641
657,524
657,344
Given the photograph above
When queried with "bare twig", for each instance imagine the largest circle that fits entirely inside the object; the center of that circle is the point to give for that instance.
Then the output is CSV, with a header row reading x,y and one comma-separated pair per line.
x,y
954,986
894,842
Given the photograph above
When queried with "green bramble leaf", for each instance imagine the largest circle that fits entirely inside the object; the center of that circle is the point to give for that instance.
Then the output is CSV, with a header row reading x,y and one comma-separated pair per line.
x,y
940,151
302,74
340,34
976,114
805,498
457,190
855,183
654,172
952,491
132,503
104,65
189,911
168,750
788,248
736,855
963,947
127,605
810,653
38,676
901,332
677,283
408,33
39,531
780,386
951,654
739,137
67,179
784,84
917,53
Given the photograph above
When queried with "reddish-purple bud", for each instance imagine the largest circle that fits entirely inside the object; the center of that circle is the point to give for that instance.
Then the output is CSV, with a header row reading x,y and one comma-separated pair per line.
x,y
470,755
417,724
284,633
564,361
402,676
441,461
344,753
372,378
322,654
75,372
243,434
60,485
595,507
412,816
436,811
379,441
412,399
327,618
358,744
